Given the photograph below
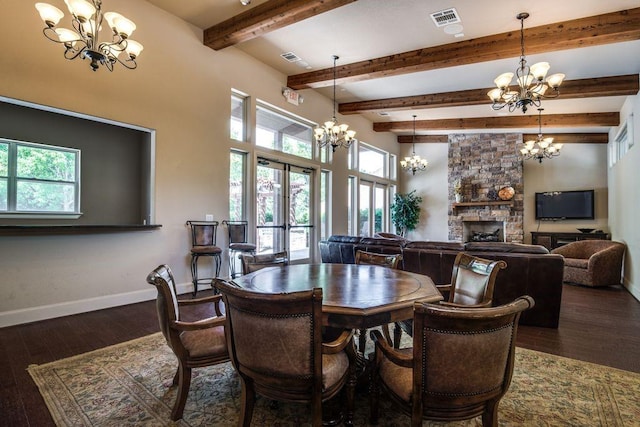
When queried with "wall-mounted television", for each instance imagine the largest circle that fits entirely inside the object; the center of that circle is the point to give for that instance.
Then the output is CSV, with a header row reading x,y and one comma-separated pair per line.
x,y
555,205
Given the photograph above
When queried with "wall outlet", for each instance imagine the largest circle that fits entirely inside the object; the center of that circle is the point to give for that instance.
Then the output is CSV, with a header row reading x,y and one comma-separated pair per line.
x,y
208,217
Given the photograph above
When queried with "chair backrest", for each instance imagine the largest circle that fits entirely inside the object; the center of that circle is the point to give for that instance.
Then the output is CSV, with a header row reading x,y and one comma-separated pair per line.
x,y
237,231
251,263
473,280
275,339
385,260
166,302
203,233
463,357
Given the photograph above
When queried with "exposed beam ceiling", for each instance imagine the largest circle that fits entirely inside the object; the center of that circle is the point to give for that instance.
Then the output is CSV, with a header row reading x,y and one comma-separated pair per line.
x,y
506,122
591,31
563,138
570,89
264,18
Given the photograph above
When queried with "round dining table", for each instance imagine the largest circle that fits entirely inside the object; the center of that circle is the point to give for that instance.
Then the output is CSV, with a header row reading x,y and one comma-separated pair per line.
x,y
354,296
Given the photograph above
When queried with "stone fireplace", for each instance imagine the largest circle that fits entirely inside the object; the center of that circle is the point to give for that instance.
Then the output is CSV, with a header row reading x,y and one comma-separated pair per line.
x,y
485,163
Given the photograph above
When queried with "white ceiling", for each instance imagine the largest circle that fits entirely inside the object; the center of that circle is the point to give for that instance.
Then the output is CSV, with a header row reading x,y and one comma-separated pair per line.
x,y
369,29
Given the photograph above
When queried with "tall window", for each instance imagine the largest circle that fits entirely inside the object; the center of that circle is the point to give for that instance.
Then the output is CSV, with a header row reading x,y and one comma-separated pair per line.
x,y
372,209
36,178
237,185
283,132
351,207
372,161
238,116
325,204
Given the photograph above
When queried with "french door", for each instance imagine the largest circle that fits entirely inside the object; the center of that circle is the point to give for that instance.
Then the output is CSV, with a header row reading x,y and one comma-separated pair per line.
x,y
284,208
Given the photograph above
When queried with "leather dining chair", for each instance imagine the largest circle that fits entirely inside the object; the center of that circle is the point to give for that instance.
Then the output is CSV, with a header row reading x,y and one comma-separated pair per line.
x,y
459,367
203,243
238,244
383,260
251,263
472,282
275,343
197,343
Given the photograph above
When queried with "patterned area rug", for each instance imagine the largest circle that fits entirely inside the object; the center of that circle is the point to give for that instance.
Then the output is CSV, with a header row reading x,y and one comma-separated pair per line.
x,y
129,385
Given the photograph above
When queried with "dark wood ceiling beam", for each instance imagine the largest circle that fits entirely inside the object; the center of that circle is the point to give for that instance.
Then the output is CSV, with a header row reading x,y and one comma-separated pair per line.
x,y
503,122
408,139
264,18
570,89
572,138
608,28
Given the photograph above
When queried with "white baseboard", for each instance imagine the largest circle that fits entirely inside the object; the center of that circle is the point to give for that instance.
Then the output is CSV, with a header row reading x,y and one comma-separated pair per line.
x,y
633,290
33,314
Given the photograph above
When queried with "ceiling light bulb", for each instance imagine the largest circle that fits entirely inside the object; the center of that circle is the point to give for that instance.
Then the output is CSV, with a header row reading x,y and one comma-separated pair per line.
x,y
245,2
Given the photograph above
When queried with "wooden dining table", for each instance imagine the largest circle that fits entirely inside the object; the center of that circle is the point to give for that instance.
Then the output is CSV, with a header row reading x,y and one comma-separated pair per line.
x,y
354,296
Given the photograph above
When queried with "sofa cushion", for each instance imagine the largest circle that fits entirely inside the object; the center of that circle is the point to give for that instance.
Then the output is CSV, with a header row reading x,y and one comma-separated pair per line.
x,y
447,246
576,262
505,247
344,239
381,241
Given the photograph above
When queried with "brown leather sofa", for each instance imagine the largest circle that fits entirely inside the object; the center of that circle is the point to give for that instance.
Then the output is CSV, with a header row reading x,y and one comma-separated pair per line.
x,y
531,269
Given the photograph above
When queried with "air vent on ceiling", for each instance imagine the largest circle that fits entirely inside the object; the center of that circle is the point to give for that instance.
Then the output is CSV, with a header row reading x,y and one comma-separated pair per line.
x,y
445,17
290,56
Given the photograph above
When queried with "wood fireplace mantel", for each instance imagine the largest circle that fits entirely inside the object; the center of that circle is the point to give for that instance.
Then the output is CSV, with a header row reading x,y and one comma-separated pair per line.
x,y
482,203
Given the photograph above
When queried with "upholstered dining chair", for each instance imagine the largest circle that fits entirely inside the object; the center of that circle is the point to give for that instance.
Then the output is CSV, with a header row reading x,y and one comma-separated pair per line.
x,y
196,344
203,243
238,244
275,343
472,283
384,260
459,367
251,263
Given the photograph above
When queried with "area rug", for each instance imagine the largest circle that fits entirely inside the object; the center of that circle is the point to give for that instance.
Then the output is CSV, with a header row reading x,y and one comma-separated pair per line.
x,y
129,385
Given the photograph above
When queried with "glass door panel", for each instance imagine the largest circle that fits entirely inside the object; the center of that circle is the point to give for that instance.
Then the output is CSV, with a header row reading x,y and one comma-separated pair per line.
x,y
270,207
300,213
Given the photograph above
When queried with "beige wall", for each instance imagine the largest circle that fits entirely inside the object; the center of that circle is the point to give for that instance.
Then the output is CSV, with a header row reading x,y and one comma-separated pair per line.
x,y
182,91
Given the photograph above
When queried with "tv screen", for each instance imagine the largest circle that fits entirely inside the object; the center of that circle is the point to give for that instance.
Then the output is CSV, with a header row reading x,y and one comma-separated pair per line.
x,y
553,205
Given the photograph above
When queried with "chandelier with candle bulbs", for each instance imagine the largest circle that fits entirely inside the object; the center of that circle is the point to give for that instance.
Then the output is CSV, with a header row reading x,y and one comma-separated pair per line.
x,y
83,40
531,84
332,133
414,163
542,147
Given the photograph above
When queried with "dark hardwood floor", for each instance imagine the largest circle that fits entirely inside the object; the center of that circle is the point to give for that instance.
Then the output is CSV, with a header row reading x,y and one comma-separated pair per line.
x,y
596,325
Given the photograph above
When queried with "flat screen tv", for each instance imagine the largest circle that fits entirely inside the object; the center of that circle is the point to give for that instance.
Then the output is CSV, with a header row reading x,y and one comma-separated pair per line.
x,y
555,205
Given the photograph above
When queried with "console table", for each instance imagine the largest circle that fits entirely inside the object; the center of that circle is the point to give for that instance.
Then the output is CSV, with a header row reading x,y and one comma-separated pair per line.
x,y
552,240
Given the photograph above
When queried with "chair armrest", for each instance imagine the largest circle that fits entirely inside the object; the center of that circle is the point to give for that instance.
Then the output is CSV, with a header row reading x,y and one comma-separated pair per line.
x,y
209,322
215,299
339,344
389,352
444,288
453,304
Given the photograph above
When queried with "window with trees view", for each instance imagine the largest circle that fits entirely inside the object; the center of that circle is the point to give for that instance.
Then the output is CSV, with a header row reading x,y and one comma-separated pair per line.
x,y
282,132
238,116
36,178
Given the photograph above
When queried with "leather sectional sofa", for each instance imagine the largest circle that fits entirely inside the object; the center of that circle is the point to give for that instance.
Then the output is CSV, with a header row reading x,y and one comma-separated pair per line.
x,y
531,269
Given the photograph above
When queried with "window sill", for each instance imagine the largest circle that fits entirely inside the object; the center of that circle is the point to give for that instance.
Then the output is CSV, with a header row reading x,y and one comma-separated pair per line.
x,y
73,229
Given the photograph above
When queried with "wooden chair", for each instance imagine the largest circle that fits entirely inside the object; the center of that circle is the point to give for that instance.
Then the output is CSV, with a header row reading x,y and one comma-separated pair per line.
x,y
238,244
276,347
251,263
384,260
195,344
460,365
472,283
203,243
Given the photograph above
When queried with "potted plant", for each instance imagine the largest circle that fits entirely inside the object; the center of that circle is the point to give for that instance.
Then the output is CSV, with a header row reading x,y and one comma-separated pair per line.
x,y
405,212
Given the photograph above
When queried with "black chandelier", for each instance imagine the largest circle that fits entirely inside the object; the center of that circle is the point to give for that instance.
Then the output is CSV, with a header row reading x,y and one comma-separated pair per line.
x,y
530,80
82,41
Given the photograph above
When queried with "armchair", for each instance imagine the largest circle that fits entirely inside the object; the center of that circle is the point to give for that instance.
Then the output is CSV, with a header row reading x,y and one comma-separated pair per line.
x,y
460,365
195,344
592,262
276,347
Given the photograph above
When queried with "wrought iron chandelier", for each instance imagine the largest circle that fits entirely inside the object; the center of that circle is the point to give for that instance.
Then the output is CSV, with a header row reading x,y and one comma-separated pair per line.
x,y
530,80
82,41
414,163
541,147
332,133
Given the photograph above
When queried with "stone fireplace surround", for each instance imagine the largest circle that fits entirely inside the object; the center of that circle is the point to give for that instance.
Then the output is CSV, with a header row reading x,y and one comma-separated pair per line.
x,y
484,162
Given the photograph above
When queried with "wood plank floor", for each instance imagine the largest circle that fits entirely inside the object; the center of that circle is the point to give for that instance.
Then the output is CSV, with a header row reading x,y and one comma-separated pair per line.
x,y
596,325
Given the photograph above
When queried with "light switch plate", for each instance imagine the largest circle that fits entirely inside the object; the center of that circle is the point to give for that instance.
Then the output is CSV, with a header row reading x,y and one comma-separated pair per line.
x,y
208,217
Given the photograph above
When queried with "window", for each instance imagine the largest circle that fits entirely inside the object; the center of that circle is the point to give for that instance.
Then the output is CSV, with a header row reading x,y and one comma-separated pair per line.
x,y
283,132
237,185
36,178
351,203
325,204
238,116
372,161
373,206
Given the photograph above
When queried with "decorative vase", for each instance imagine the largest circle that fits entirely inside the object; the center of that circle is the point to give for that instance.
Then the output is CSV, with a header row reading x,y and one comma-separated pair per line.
x,y
458,198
